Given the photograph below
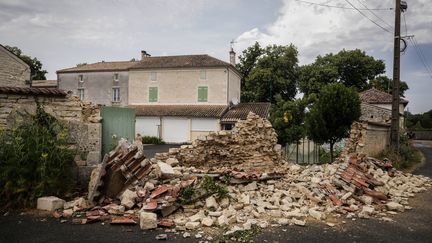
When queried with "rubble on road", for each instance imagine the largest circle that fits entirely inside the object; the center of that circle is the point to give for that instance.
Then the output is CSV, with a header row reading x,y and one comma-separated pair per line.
x,y
236,181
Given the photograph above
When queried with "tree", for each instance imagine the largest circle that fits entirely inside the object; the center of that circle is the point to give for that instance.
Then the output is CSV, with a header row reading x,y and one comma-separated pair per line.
x,y
35,65
332,114
353,68
385,84
268,72
287,118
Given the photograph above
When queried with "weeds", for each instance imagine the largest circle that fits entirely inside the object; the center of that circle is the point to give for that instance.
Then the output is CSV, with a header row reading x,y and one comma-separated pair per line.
x,y
206,187
34,160
406,157
152,140
240,236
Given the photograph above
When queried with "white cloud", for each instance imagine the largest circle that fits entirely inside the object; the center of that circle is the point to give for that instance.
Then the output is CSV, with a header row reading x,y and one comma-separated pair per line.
x,y
318,30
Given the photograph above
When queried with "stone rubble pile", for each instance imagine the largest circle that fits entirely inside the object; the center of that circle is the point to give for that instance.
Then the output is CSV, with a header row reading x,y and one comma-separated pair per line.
x,y
252,145
130,189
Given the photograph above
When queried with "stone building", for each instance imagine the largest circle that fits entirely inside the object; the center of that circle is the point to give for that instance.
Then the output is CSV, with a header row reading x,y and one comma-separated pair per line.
x,y
13,70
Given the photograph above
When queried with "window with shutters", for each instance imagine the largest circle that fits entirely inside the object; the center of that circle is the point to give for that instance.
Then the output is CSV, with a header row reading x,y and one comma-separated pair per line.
x,y
116,95
153,76
203,74
202,93
153,94
81,94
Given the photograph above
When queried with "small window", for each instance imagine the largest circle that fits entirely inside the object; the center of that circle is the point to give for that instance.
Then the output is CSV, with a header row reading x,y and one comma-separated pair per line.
x,y
80,78
203,74
81,94
153,76
202,93
153,94
116,95
116,76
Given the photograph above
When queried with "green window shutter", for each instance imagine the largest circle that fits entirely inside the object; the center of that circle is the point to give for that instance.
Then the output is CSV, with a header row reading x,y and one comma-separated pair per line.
x,y
202,94
153,94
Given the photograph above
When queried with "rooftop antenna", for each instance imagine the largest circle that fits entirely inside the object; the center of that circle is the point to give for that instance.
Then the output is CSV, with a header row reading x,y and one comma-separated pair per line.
x,y
232,44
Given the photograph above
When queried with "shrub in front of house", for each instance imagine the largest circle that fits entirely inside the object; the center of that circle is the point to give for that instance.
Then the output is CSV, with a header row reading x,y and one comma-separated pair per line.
x,y
152,140
35,160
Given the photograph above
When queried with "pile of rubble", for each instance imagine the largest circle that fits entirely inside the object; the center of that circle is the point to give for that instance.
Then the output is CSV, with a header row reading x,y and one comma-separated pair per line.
x,y
252,145
235,190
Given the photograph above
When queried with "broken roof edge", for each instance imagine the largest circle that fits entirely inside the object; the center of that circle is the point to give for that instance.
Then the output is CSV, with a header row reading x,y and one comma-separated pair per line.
x,y
32,91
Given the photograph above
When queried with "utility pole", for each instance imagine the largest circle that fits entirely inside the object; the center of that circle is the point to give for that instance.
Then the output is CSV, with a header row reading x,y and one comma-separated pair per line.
x,y
396,79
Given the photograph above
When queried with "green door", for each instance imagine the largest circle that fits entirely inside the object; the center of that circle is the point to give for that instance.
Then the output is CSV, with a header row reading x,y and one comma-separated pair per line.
x,y
117,123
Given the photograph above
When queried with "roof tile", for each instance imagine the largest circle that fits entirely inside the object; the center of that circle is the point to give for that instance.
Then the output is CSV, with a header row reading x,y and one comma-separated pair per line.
x,y
240,111
32,91
181,110
375,96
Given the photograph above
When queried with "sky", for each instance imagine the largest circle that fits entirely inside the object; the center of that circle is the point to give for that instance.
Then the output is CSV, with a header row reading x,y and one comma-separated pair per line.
x,y
63,33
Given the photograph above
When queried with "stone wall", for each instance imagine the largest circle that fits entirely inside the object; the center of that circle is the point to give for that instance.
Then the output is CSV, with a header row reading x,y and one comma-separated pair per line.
x,y
368,138
373,113
82,119
252,145
13,71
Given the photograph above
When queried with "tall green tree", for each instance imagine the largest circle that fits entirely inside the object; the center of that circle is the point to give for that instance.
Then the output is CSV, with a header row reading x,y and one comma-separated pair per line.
x,y
332,114
385,84
268,72
37,72
353,68
287,118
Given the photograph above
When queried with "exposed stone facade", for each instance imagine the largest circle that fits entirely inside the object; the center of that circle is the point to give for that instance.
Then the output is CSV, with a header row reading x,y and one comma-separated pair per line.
x,y
13,71
373,113
368,138
251,146
83,121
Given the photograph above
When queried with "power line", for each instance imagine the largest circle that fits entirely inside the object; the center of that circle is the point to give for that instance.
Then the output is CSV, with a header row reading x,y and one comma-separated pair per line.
x,y
370,10
364,15
421,56
340,7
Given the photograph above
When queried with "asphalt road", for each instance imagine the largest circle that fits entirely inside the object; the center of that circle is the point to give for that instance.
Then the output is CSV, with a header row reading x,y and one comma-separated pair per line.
x,y
411,226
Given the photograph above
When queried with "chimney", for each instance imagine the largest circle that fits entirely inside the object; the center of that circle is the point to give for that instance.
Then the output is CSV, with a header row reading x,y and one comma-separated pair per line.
x,y
144,54
232,55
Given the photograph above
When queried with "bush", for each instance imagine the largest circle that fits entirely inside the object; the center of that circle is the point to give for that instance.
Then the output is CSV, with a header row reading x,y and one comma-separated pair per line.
x,y
405,158
35,160
152,140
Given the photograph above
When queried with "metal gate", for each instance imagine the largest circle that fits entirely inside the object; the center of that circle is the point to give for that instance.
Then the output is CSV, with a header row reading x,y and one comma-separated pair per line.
x,y
117,123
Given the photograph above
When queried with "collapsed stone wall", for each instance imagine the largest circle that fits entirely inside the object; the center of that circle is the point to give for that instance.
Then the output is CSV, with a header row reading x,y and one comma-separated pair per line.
x,y
252,145
82,118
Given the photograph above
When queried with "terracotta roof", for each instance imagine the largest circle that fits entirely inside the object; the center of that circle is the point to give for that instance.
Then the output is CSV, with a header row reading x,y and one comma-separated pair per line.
x,y
240,111
375,96
44,83
181,110
32,91
100,66
185,61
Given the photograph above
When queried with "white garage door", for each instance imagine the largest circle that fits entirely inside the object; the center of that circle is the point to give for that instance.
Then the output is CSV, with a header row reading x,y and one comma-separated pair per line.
x,y
175,129
147,126
205,125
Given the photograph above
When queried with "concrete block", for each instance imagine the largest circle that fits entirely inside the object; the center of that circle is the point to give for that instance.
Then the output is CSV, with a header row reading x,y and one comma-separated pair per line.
x,y
50,203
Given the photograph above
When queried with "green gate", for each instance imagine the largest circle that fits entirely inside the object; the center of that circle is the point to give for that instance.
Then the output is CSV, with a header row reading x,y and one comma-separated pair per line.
x,y
119,122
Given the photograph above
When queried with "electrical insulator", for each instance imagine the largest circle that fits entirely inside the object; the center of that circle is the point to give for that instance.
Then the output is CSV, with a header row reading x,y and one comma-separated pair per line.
x,y
403,6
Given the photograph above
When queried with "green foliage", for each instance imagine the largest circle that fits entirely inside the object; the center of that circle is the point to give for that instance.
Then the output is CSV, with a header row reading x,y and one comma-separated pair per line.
x,y
268,72
34,160
325,156
331,116
34,63
245,236
406,157
152,140
206,187
419,121
287,118
352,68
385,84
